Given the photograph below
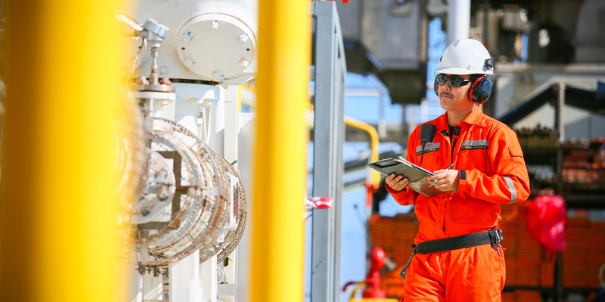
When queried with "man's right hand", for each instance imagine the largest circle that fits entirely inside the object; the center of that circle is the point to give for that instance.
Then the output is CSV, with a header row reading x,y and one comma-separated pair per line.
x,y
397,183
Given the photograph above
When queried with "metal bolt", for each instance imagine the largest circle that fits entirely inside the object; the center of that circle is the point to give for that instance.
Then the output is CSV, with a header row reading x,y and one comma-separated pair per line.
x,y
142,80
187,37
215,24
243,38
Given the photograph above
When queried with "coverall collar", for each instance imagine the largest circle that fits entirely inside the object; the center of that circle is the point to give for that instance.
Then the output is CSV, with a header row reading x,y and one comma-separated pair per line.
x,y
472,118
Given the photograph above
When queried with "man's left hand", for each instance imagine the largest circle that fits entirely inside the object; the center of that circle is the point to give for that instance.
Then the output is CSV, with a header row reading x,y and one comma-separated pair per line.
x,y
446,181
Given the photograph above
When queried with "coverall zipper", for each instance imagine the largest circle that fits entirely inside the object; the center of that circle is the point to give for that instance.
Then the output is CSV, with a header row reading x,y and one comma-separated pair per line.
x,y
453,146
451,161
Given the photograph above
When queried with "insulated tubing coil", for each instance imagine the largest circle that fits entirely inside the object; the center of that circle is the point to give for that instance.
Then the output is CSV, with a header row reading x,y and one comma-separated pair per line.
x,y
186,201
233,237
224,244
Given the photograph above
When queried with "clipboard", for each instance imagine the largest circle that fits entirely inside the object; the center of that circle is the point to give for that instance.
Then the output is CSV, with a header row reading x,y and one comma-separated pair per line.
x,y
415,174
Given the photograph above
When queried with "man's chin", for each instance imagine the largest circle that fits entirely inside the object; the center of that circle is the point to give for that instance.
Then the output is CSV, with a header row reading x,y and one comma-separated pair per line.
x,y
445,102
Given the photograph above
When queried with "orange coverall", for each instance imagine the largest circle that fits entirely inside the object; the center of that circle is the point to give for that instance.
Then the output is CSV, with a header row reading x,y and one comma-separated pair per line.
x,y
492,172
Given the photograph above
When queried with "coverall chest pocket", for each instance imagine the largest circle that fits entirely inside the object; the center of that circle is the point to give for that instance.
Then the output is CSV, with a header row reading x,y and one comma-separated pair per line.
x,y
473,155
427,148
429,156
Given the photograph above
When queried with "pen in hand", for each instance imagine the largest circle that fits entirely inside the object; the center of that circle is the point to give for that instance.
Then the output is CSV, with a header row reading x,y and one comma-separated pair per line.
x,y
441,172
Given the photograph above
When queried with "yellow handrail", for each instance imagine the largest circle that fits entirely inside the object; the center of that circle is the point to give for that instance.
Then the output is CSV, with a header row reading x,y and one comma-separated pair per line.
x,y
58,200
277,264
373,176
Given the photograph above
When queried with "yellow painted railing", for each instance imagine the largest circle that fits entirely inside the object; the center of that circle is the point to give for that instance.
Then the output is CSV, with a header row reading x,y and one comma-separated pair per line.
x,y
373,176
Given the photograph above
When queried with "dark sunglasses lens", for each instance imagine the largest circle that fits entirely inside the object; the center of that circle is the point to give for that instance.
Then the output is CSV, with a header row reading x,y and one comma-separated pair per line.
x,y
440,79
455,81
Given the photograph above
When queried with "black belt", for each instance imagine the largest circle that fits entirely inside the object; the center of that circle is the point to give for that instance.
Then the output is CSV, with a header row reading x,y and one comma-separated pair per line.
x,y
493,237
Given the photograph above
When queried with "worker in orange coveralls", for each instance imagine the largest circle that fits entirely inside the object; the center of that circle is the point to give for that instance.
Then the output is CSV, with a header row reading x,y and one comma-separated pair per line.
x,y
457,255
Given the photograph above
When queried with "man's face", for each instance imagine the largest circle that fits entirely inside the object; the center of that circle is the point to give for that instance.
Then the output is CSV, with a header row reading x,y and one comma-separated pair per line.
x,y
455,98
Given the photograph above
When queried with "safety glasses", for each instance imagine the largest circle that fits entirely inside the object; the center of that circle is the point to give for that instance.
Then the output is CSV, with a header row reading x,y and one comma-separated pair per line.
x,y
454,80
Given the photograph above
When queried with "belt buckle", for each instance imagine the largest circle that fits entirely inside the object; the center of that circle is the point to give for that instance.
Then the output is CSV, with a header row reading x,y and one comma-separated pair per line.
x,y
498,236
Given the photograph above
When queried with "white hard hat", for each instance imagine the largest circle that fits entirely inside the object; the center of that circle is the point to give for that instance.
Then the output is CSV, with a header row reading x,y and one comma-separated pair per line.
x,y
465,56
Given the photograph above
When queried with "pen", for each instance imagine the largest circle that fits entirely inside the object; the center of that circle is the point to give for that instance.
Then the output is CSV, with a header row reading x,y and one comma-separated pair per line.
x,y
441,172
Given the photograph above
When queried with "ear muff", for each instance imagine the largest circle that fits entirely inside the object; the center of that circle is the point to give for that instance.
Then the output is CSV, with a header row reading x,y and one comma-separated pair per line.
x,y
480,90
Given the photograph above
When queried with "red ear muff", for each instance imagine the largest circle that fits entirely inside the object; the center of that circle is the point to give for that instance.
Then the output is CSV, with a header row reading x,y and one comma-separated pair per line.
x,y
472,90
480,90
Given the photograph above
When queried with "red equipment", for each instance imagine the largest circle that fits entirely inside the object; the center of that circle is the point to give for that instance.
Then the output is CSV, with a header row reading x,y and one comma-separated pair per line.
x,y
377,260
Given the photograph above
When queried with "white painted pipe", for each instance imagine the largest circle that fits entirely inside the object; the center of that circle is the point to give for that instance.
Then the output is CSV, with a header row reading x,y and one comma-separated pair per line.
x,y
458,20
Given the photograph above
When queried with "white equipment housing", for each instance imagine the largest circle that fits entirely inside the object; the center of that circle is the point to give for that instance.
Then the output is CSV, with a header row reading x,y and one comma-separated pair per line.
x,y
208,40
198,49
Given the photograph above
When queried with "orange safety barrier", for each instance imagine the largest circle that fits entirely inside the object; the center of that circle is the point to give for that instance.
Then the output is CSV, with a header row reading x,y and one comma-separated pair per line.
x,y
528,264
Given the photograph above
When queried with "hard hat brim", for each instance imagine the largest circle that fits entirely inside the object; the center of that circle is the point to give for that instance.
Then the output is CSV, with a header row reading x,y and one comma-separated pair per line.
x,y
450,70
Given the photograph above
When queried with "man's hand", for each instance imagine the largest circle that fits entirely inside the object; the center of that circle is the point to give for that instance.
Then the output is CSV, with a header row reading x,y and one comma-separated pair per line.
x,y
446,181
397,183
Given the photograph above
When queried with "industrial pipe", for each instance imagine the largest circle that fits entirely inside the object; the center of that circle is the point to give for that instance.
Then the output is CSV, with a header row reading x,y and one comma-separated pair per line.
x,y
58,194
373,178
277,263
458,20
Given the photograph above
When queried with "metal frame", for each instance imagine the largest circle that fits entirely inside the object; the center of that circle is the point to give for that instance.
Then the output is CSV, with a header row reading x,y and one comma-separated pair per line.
x,y
329,74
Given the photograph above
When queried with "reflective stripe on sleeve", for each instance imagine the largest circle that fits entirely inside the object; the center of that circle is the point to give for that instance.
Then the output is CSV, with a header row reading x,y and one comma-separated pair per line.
x,y
511,187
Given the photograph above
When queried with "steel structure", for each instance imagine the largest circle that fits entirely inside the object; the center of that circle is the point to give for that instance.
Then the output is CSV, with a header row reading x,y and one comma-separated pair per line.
x,y
330,73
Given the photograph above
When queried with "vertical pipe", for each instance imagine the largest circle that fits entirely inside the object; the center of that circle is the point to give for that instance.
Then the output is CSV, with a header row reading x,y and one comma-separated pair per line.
x,y
561,129
458,20
559,118
382,127
560,126
486,25
58,199
279,167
